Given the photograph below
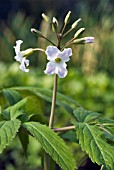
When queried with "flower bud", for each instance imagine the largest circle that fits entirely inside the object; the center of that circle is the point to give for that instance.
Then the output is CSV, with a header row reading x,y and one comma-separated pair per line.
x,y
36,32
80,31
67,18
84,40
75,23
46,18
27,52
54,24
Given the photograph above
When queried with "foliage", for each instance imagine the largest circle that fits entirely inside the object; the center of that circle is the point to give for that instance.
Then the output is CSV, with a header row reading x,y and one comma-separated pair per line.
x,y
93,141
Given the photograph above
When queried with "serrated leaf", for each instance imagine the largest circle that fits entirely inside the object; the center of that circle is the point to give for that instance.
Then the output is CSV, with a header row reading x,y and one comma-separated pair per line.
x,y
45,94
107,126
93,142
8,130
33,105
52,144
12,96
106,122
14,111
83,115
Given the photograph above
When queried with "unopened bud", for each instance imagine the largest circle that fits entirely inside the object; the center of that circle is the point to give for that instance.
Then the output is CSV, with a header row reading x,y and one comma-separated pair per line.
x,y
84,40
46,18
54,24
75,23
67,18
80,31
36,32
27,52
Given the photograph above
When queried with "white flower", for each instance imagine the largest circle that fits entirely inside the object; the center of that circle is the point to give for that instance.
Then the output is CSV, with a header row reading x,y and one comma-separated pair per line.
x,y
23,65
57,61
20,56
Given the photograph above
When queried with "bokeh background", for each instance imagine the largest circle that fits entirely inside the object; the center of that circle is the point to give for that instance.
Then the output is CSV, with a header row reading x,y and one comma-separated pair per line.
x,y
90,80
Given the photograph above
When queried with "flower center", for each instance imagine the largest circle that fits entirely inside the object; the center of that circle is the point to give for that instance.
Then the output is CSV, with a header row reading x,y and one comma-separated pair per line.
x,y
58,60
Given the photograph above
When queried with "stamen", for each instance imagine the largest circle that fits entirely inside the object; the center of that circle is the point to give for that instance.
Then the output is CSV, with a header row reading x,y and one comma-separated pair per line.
x,y
58,60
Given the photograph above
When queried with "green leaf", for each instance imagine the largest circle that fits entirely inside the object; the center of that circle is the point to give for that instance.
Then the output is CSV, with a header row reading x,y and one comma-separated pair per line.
x,y
83,115
23,137
14,111
46,95
107,126
93,142
52,144
8,130
39,118
70,135
93,137
12,96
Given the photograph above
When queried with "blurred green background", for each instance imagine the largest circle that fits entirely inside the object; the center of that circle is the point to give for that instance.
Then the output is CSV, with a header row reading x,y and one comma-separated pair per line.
x,y
90,80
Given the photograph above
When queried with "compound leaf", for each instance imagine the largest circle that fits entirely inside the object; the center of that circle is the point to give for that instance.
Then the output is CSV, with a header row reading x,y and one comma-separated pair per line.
x,y
52,144
8,130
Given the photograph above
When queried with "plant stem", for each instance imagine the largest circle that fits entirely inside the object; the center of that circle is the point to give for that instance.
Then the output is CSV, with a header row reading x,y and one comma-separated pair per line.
x,y
48,40
53,102
46,163
64,128
38,49
68,43
68,32
82,161
63,29
102,167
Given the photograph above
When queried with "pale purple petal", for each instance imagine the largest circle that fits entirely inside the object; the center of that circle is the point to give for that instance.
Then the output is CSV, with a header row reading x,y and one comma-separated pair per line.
x,y
52,52
23,65
89,39
62,72
65,54
50,68
18,57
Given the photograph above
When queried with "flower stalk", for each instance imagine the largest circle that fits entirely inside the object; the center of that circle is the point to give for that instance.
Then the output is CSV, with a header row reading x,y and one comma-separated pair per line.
x,y
53,102
64,128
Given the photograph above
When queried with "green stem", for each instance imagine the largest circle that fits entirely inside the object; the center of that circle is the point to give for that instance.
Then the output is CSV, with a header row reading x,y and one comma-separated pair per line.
x,y
38,49
102,167
46,161
48,40
64,128
63,29
68,32
68,43
82,161
53,102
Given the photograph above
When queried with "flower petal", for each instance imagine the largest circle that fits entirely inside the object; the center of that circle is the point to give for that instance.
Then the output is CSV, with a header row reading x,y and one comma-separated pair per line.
x,y
65,54
52,52
19,55
23,65
62,72
17,47
50,68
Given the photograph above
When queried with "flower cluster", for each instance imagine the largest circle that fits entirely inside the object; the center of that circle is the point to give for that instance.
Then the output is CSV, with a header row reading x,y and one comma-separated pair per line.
x,y
57,55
